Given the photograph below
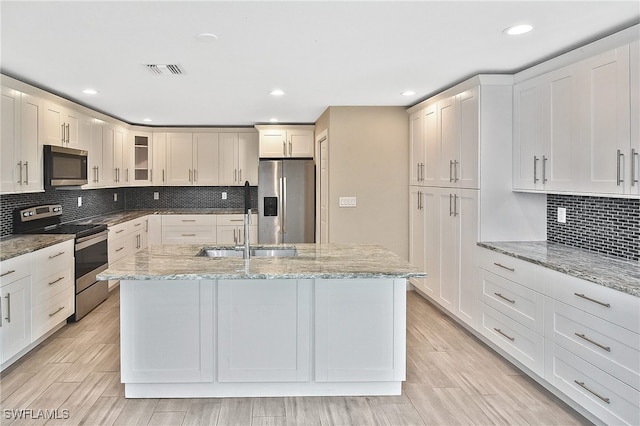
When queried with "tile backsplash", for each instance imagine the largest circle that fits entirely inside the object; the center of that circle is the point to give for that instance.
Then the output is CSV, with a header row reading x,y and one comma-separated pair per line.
x,y
101,201
605,225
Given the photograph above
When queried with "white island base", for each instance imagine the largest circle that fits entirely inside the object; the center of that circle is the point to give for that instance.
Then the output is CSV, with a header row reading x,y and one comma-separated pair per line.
x,y
263,337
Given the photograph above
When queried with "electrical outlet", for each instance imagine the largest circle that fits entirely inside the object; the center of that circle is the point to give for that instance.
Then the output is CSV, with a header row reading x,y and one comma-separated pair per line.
x,y
79,201
562,215
115,196
224,195
156,195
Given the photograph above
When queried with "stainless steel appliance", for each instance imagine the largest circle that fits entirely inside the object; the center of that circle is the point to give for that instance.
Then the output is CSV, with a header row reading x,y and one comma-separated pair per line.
x,y
91,252
286,201
64,166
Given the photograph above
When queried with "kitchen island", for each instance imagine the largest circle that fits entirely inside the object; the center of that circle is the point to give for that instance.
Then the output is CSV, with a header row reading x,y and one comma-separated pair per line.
x,y
328,321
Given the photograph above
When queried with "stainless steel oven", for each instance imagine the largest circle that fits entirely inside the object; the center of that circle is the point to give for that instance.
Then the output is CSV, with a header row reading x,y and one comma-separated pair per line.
x,y
91,251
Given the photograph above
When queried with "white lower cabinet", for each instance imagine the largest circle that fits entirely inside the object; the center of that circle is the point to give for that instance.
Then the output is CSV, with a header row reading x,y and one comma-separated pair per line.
x,y
189,229
580,337
169,334
230,229
16,317
264,330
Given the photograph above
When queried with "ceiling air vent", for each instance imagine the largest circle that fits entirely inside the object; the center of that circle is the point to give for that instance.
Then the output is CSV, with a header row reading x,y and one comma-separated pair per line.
x,y
165,69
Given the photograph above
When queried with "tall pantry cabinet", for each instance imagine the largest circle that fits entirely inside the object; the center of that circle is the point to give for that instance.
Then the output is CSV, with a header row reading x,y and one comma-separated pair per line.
x,y
460,149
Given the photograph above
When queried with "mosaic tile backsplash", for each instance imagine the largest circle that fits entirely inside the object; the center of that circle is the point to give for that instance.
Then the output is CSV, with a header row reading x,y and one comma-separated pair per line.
x,y
101,201
604,225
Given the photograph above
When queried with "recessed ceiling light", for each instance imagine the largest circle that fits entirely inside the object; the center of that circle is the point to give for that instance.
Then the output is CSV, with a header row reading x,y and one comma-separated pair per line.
x,y
273,120
408,93
147,120
90,92
207,37
518,29
276,92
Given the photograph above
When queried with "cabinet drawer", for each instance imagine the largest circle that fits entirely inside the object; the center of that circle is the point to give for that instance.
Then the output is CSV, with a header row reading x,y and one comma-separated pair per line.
x,y
52,259
15,268
521,342
54,311
188,234
47,287
119,248
517,270
612,348
236,219
189,219
120,229
513,300
612,305
598,392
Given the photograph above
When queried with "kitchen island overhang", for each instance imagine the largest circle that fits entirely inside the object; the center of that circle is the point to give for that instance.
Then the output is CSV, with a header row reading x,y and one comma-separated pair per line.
x,y
203,327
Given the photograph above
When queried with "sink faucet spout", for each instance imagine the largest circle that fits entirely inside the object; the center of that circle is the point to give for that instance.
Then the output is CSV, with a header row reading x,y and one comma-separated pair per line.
x,y
247,217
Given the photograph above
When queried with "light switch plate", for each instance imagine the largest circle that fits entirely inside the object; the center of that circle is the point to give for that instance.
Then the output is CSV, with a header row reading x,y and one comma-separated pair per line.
x,y
79,201
224,195
347,202
562,215
156,195
115,196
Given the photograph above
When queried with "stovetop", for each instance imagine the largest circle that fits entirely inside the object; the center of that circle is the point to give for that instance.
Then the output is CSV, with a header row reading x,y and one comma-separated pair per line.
x,y
79,230
46,219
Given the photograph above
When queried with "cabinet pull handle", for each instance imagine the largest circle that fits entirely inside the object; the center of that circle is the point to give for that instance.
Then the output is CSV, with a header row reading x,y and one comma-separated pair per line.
x,y
63,132
450,170
118,249
504,298
188,235
20,170
56,255
455,170
535,169
418,170
284,148
7,273
504,334
544,169
188,220
236,220
634,154
119,231
26,171
290,148
8,317
504,267
54,313
240,175
190,176
450,197
195,175
127,175
150,175
235,175
593,342
422,172
56,281
235,240
455,205
138,224
582,385
68,134
607,305
619,179
162,175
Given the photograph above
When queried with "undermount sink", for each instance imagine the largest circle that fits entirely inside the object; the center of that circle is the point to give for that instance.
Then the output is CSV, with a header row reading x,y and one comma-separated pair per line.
x,y
255,252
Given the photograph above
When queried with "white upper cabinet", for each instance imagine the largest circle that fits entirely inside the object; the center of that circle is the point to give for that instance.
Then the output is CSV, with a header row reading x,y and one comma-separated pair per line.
x,y
21,160
95,168
468,139
605,123
284,142
634,159
142,144
61,126
238,159
417,148
158,171
192,159
545,132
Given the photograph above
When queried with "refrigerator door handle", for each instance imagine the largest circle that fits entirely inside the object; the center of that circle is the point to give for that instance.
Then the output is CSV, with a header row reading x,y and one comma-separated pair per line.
x,y
284,204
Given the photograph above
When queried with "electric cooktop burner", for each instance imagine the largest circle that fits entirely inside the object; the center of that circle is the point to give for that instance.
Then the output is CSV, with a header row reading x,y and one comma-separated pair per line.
x,y
46,219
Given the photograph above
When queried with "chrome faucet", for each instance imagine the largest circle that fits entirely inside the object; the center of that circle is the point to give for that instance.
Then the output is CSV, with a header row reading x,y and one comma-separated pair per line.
x,y
246,253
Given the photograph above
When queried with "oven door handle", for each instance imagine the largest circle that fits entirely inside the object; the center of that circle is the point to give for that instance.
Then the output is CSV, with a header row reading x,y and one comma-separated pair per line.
x,y
91,239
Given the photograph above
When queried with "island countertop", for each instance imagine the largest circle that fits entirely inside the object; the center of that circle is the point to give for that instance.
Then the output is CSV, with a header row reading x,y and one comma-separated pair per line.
x,y
323,261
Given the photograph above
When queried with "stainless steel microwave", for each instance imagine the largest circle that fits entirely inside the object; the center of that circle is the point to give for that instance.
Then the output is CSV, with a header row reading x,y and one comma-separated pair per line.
x,y
64,166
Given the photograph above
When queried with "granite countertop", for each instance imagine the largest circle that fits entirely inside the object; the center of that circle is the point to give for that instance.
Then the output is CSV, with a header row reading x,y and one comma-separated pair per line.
x,y
112,219
612,272
177,262
17,245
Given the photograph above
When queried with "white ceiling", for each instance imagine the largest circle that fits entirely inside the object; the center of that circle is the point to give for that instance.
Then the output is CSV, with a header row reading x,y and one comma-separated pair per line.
x,y
320,53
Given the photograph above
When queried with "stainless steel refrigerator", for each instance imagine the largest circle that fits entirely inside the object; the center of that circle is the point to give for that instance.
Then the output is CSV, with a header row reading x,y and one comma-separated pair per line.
x,y
286,201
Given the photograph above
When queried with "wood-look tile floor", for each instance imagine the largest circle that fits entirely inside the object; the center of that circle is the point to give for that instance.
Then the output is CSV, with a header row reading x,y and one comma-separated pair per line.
x,y
452,379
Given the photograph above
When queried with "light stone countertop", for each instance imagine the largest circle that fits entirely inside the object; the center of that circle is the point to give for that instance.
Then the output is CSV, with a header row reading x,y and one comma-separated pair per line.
x,y
612,272
177,262
17,245
111,219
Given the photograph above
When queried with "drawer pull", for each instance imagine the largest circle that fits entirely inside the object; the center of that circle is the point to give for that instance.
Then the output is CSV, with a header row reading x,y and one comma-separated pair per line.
x,y
8,317
582,385
119,231
118,249
582,336
56,255
504,267
236,220
59,309
188,220
188,235
502,297
504,334
56,281
7,273
593,300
